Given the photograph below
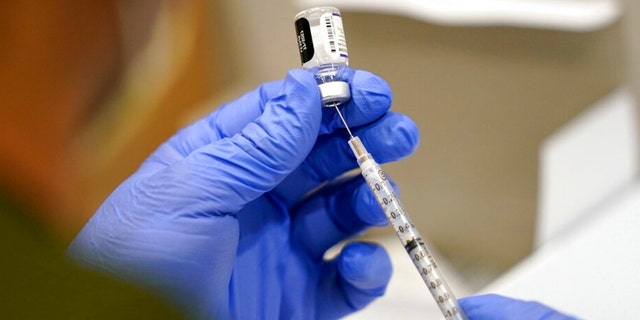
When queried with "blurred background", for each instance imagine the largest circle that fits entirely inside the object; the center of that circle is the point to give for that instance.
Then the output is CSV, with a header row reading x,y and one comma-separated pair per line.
x,y
485,86
483,96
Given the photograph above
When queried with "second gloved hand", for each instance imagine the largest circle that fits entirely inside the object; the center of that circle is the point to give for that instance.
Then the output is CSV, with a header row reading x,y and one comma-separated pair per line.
x,y
218,221
496,307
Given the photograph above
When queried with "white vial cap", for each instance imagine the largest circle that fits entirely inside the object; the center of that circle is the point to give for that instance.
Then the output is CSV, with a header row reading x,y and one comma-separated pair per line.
x,y
334,92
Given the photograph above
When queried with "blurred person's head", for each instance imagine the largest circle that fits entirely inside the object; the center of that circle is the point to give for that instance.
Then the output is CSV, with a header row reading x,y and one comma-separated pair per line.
x,y
58,61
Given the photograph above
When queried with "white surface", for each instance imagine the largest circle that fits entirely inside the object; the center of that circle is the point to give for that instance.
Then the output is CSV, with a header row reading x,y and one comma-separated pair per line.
x,y
407,297
586,162
573,15
592,271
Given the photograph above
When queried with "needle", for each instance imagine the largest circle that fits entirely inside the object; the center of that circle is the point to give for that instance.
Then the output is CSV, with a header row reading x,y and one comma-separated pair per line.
x,y
335,105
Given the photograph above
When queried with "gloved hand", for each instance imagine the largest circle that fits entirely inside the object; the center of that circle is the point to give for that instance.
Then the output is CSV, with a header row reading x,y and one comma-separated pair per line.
x,y
496,307
218,219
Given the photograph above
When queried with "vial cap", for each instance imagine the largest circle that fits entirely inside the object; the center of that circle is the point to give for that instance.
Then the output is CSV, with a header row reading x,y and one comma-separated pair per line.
x,y
334,92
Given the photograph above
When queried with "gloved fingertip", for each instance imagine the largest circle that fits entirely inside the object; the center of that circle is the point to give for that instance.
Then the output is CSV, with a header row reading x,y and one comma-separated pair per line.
x,y
396,132
365,266
367,207
368,82
471,302
485,307
302,92
408,130
371,98
497,307
303,80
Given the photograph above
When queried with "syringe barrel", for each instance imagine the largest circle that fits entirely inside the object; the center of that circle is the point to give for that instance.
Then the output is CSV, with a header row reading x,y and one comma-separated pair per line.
x,y
407,232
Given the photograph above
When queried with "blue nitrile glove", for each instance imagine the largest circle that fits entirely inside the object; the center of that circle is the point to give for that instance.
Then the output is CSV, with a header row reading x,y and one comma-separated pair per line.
x,y
219,220
496,307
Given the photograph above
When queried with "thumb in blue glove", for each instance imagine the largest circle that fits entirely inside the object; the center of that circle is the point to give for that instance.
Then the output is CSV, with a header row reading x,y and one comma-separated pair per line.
x,y
496,307
217,219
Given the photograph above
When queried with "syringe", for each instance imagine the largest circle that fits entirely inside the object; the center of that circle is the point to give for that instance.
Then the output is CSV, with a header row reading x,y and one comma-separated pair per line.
x,y
405,229
323,51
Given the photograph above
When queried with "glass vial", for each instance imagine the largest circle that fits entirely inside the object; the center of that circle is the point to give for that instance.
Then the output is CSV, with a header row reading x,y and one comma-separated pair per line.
x,y
323,51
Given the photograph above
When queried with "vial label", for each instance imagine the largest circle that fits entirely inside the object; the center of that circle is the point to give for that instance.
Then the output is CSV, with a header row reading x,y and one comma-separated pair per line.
x,y
305,41
333,33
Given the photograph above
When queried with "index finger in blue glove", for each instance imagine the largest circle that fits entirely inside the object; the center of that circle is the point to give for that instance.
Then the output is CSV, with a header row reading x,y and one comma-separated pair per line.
x,y
497,307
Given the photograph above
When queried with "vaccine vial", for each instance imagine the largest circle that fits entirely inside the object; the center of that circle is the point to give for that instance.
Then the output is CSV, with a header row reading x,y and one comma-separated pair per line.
x,y
323,51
